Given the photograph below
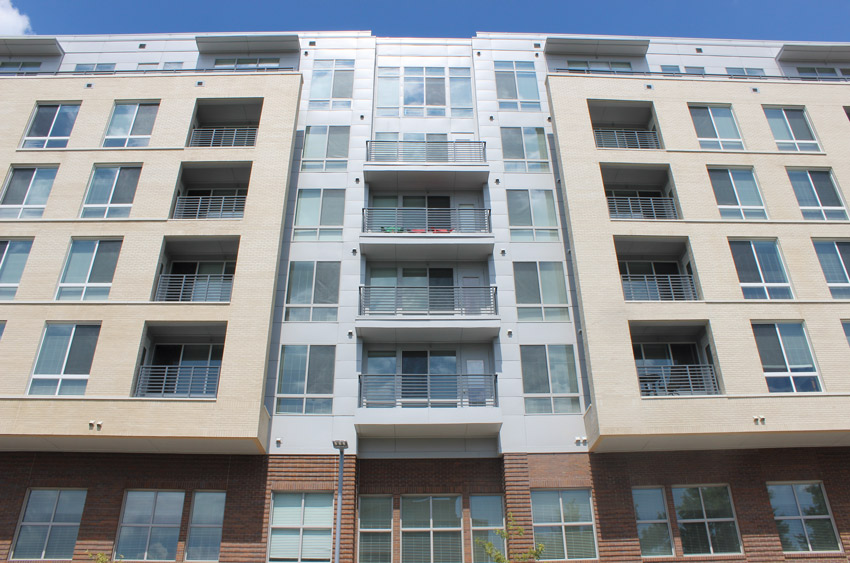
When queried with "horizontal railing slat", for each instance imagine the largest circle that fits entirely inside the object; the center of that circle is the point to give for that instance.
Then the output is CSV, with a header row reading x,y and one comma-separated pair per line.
x,y
177,381
210,207
422,390
223,137
194,287
425,151
626,139
471,301
690,379
642,208
425,220
679,287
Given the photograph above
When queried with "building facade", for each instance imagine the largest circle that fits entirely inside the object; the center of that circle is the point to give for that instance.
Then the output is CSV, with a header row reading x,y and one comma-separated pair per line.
x,y
595,287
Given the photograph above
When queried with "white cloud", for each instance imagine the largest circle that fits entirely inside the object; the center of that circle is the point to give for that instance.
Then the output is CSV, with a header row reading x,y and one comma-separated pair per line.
x,y
13,22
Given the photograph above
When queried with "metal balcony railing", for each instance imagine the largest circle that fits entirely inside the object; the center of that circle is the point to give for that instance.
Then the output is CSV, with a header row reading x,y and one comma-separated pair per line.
x,y
422,220
679,287
695,379
434,391
464,301
626,139
194,287
425,151
210,207
223,137
177,381
642,208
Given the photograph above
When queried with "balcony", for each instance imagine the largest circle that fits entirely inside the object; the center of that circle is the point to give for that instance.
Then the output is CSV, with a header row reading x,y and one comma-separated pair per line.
x,y
460,301
624,124
688,379
209,207
177,381
658,287
452,165
229,122
194,287
197,269
212,190
639,192
655,269
427,391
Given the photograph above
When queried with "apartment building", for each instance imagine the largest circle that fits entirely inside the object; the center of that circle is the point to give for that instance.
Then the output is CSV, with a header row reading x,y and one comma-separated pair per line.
x,y
293,296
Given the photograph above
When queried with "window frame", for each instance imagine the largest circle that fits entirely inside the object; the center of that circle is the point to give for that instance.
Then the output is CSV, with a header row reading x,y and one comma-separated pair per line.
x,y
563,525
301,527
762,285
665,521
540,305
803,517
742,209
191,526
375,531
150,525
706,520
319,231
793,144
25,210
305,397
789,372
332,102
138,140
108,207
325,163
526,164
552,396
5,287
839,290
85,286
722,143
58,142
535,230
431,529
62,376
822,210
310,305
518,102
49,524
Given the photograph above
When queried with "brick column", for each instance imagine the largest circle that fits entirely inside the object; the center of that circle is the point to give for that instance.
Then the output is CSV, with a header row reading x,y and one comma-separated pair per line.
x,y
518,501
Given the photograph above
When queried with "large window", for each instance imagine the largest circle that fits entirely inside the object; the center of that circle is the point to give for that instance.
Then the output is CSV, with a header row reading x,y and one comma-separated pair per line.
x,y
111,192
94,67
600,67
325,148
312,291
760,269
817,195
301,527
791,129
205,525
376,530
64,360
563,523
51,126
524,149
532,215
549,380
332,84
737,193
706,518
834,259
15,67
541,291
89,270
786,358
424,91
26,193
488,516
150,526
431,529
653,524
803,517
131,124
744,71
516,85
13,258
250,63
49,525
319,214
716,128
306,380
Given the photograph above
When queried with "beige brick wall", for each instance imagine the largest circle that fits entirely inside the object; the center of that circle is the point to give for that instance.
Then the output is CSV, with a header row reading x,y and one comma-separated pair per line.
x,y
620,418
236,421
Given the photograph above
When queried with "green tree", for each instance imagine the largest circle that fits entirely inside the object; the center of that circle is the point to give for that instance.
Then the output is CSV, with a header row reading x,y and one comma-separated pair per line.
x,y
511,532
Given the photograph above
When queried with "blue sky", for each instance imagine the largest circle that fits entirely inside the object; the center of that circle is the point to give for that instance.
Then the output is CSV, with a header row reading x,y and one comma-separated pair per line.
x,y
812,20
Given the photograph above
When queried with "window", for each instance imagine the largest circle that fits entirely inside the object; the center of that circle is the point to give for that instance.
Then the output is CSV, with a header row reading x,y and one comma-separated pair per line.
x,y
820,72
460,91
333,84
671,69
312,283
376,530
89,270
325,148
524,149
834,259
541,284
51,126
13,258
716,129
431,529
487,515
205,526
386,98
601,67
740,71
50,523
786,358
424,91
301,527
254,63
549,379
706,520
532,208
94,67
15,67
653,525
131,125
26,193
803,517
737,193
791,129
64,359
111,191
516,86
305,382
845,325
817,195
760,269
315,211
563,523
150,526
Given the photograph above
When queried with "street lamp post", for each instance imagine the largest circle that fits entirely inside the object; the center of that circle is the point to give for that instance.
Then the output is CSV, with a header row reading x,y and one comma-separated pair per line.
x,y
341,445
